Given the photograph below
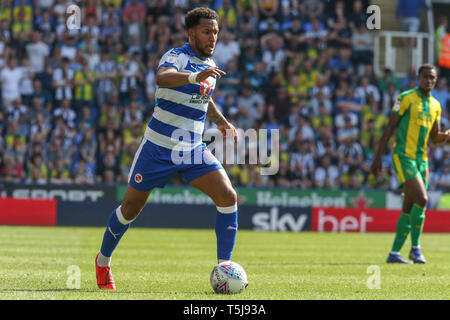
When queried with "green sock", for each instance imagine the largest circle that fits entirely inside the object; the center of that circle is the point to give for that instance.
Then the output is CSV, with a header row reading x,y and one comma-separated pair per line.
x,y
402,231
417,220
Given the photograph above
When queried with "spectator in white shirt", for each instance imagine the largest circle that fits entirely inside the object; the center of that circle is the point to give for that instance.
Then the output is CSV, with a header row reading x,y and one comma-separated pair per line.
x,y
350,153
304,156
69,48
365,89
63,81
38,52
91,28
45,4
249,104
340,119
227,49
348,130
105,72
273,55
302,125
444,178
326,171
131,73
362,45
91,56
66,113
10,78
320,94
16,109
26,84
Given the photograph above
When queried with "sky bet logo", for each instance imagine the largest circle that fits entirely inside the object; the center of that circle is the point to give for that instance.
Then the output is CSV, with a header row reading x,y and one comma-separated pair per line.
x,y
74,17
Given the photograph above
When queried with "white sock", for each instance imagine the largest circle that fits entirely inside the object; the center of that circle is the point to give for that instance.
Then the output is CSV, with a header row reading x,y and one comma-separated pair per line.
x,y
121,218
225,210
103,261
393,252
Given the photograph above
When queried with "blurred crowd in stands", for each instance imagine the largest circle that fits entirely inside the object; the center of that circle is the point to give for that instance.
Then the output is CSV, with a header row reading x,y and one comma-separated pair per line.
x,y
75,102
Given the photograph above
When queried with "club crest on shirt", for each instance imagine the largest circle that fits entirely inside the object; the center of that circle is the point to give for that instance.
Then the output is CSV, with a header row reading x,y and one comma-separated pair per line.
x,y
206,90
138,178
209,155
207,86
397,105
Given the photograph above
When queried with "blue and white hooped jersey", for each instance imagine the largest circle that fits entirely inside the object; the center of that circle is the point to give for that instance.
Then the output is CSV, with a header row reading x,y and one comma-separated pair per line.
x,y
180,112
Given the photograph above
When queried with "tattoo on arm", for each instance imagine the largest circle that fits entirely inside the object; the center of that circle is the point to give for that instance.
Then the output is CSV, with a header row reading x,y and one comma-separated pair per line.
x,y
214,114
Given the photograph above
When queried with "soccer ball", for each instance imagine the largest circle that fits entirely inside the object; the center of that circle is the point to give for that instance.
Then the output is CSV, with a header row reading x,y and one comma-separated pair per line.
x,y
228,278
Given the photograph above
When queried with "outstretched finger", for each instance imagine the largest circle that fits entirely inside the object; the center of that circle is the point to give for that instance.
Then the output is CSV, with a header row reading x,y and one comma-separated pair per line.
x,y
216,70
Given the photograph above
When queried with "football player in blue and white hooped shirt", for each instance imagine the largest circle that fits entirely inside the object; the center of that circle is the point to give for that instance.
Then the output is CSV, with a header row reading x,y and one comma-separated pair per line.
x,y
172,142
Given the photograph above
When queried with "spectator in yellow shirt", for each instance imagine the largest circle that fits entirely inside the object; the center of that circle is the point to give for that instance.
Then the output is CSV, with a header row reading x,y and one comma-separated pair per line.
x,y
84,86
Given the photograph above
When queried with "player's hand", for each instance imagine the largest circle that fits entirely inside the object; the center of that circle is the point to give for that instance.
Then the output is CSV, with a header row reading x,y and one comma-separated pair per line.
x,y
228,131
375,168
447,136
214,72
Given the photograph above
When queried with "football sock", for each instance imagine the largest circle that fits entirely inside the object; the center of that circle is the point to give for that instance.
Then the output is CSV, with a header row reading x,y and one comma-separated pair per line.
x,y
401,233
103,261
115,229
417,220
226,229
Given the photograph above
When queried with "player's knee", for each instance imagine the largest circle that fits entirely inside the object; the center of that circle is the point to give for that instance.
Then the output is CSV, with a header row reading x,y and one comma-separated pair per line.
x,y
233,196
422,200
130,209
227,198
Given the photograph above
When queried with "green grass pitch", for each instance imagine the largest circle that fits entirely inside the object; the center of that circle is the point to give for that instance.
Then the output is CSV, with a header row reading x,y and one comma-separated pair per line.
x,y
176,264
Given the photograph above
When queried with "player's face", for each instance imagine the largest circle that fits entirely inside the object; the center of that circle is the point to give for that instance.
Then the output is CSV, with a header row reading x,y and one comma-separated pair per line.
x,y
205,37
427,79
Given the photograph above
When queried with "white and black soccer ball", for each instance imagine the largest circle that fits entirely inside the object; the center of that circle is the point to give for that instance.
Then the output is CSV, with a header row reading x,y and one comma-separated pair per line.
x,y
228,278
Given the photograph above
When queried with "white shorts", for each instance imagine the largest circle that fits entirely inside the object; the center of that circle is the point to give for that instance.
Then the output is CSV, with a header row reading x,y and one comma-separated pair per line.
x,y
411,24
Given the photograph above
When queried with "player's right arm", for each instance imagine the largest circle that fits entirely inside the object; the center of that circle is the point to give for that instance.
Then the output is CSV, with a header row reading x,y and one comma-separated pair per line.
x,y
170,77
398,110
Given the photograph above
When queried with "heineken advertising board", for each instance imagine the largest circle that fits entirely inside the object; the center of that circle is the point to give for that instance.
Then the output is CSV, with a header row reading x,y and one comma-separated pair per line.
x,y
272,197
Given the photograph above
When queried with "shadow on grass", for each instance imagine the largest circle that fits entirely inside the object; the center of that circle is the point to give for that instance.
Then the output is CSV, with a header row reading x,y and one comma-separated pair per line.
x,y
44,290
12,290
314,264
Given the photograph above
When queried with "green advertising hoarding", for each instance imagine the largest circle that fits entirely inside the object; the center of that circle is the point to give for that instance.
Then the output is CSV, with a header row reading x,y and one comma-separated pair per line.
x,y
272,197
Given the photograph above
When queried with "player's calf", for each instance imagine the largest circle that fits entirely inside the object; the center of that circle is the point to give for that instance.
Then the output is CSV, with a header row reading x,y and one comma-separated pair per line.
x,y
226,229
115,229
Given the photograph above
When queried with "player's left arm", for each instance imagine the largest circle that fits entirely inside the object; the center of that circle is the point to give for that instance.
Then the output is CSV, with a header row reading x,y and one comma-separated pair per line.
x,y
225,127
437,136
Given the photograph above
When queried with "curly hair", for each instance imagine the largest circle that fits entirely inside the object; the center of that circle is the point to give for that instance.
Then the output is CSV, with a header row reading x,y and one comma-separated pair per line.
x,y
193,17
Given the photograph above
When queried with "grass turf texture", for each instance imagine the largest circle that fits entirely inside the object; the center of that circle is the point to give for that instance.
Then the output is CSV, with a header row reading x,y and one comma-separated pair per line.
x,y
176,264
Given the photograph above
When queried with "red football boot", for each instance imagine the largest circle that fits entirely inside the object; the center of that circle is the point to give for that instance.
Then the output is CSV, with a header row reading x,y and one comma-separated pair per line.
x,y
105,279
